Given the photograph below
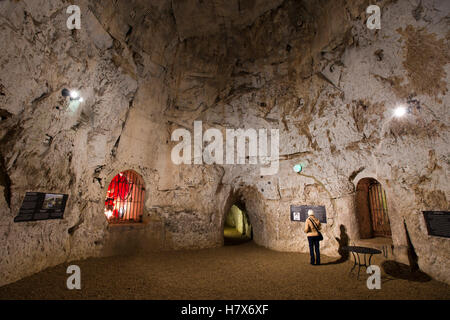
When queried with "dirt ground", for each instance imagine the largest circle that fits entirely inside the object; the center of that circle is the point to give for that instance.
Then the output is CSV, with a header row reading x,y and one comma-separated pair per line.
x,y
244,271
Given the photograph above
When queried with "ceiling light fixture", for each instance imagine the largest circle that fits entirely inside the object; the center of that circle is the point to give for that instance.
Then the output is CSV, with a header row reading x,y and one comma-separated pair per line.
x,y
400,111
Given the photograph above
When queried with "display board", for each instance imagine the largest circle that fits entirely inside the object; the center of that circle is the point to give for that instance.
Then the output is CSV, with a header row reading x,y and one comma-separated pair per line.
x,y
300,213
42,206
438,223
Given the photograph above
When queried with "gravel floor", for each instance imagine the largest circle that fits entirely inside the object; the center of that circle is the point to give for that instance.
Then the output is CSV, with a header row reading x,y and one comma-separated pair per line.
x,y
244,271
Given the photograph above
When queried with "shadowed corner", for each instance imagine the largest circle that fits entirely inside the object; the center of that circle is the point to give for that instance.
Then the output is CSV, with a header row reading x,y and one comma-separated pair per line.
x,y
403,271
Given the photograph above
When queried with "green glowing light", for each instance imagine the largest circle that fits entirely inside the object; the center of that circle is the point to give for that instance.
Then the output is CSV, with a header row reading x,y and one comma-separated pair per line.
x,y
298,168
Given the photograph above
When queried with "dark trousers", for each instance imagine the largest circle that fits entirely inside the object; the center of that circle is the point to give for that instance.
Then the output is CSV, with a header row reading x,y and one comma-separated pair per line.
x,y
314,247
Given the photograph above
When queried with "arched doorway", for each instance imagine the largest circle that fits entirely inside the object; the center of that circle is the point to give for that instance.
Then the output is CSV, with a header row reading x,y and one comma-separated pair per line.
x,y
237,228
371,209
125,198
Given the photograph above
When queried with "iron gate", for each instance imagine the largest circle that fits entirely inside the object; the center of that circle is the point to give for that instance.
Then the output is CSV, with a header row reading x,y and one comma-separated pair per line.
x,y
378,210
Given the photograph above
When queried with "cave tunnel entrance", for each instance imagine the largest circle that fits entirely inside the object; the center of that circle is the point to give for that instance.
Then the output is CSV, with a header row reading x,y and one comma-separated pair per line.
x,y
125,198
237,228
372,210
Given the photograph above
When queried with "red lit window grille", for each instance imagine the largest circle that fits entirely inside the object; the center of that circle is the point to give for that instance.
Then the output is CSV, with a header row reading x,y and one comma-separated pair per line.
x,y
125,198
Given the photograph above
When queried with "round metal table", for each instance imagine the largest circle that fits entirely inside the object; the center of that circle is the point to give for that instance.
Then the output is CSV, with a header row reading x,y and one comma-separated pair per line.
x,y
356,251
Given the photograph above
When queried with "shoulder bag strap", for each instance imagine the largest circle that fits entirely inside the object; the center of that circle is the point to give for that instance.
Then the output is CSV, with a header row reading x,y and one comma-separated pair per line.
x,y
314,224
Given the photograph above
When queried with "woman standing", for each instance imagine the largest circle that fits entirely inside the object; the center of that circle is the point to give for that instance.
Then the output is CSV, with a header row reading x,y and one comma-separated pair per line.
x,y
312,227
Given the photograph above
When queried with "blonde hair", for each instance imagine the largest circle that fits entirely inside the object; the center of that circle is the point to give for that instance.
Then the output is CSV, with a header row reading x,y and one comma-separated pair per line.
x,y
310,212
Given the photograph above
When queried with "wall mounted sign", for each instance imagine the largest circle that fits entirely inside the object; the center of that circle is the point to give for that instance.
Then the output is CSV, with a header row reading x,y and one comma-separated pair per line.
x,y
300,213
438,223
42,206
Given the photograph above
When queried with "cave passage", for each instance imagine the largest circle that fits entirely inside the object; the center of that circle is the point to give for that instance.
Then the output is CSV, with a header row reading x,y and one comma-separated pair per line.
x,y
237,228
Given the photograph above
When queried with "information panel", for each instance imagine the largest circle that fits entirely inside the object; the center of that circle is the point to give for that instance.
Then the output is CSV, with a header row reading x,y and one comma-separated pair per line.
x,y
438,223
300,213
42,206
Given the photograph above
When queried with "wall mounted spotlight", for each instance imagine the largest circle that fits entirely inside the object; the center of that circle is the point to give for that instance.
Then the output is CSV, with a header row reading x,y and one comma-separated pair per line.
x,y
65,93
74,95
74,100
